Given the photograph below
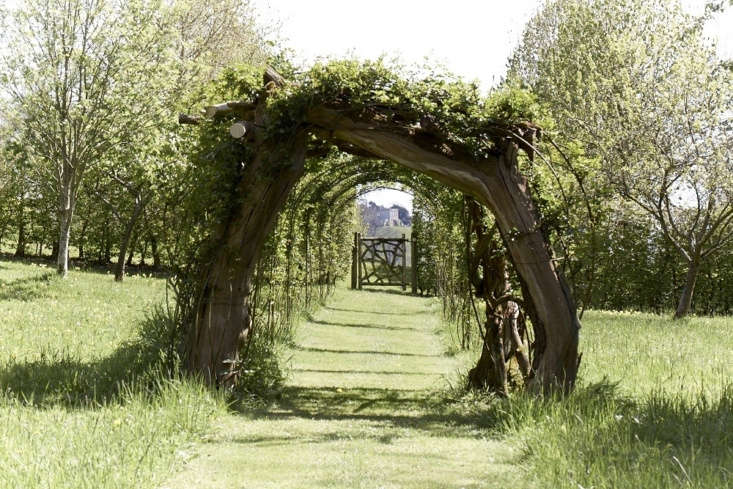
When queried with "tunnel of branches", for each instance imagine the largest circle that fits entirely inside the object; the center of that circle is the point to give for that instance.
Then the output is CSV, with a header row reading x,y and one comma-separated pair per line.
x,y
291,156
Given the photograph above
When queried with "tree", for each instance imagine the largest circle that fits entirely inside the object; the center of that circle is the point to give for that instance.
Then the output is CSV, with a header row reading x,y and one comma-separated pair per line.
x,y
203,36
83,75
641,89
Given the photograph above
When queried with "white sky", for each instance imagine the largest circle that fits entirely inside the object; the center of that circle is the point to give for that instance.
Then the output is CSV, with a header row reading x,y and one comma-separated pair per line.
x,y
472,38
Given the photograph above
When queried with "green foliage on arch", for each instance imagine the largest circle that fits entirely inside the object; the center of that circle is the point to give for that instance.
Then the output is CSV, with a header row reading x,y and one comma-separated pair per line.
x,y
310,246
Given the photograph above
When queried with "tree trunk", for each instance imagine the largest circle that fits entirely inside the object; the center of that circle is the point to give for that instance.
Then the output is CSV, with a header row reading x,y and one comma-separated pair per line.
x,y
65,215
490,372
683,307
107,252
223,319
131,253
82,239
20,248
155,252
127,238
556,362
62,259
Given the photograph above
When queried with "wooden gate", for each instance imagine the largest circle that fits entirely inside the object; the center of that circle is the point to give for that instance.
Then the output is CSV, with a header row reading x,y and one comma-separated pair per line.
x,y
382,261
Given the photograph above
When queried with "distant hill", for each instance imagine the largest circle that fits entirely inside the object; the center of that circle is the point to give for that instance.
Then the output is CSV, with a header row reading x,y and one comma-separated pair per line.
x,y
375,216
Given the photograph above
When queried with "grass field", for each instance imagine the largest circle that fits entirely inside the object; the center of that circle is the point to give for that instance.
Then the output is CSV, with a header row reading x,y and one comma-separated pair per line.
x,y
67,420
368,403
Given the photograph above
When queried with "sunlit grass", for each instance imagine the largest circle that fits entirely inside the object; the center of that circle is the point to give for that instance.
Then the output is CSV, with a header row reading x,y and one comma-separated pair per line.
x,y
653,408
77,409
366,403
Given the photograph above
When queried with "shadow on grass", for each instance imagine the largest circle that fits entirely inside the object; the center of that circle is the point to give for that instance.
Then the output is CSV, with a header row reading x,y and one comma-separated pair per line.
x,y
362,352
595,422
385,290
373,372
59,379
379,313
27,288
364,325
91,266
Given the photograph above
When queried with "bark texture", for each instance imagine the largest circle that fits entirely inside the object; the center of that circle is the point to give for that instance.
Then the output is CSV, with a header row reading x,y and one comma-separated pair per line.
x,y
223,318
62,257
683,307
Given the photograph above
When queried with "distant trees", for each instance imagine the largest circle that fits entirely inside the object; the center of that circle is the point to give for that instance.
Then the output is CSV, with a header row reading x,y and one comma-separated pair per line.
x,y
639,89
81,83
95,85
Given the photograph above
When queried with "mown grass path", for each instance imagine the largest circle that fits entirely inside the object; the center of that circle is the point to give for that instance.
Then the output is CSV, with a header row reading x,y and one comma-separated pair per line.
x,y
359,411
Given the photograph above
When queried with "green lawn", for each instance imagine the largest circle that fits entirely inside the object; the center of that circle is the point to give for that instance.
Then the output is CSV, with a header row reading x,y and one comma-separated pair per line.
x,y
360,410
368,403
66,418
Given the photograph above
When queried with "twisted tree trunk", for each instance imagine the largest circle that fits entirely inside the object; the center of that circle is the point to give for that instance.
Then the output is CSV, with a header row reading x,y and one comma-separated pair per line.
x,y
223,318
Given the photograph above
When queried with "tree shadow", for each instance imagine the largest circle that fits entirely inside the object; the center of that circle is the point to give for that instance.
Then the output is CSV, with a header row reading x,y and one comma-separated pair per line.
x,y
377,312
27,288
385,290
389,408
373,372
362,352
363,325
90,266
698,433
60,379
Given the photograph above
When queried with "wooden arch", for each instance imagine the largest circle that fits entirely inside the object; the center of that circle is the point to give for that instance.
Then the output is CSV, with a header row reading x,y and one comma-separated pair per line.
x,y
222,319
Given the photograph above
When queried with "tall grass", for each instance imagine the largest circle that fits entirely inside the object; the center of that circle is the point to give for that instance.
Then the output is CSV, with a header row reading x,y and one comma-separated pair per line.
x,y
653,409
89,395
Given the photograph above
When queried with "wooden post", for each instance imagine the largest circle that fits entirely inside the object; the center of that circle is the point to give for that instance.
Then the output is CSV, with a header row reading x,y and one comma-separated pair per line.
x,y
413,262
358,260
404,262
354,261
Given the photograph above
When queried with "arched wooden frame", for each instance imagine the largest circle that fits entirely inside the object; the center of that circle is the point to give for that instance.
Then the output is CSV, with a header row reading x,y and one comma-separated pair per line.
x,y
223,320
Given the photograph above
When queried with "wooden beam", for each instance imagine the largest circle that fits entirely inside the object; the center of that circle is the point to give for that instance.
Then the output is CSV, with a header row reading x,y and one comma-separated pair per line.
x,y
245,109
272,76
189,119
413,260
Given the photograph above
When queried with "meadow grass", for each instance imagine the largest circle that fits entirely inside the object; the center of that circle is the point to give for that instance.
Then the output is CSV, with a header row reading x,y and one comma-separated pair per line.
x,y
78,409
653,408
366,404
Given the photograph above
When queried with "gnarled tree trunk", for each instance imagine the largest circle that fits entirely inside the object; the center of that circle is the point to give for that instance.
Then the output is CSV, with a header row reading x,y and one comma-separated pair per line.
x,y
223,317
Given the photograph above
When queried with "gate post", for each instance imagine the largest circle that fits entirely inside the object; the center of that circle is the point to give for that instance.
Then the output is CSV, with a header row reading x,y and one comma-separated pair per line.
x,y
404,262
358,260
354,264
413,262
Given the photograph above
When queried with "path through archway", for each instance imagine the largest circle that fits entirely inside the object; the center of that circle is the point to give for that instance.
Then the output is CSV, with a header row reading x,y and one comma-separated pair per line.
x,y
359,410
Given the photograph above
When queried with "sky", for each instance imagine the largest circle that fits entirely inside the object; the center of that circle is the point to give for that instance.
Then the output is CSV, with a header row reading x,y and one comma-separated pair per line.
x,y
472,38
